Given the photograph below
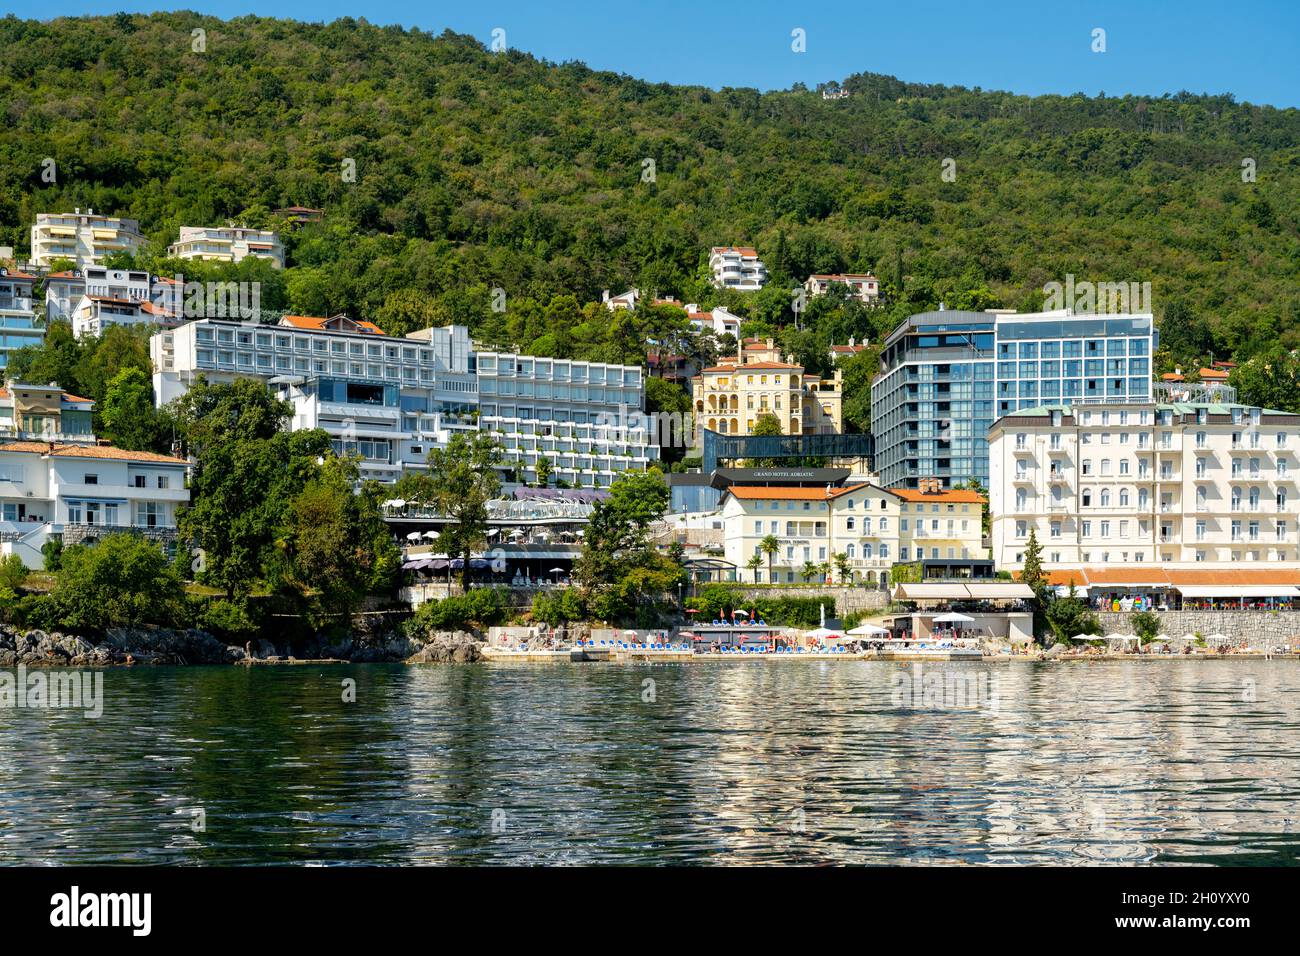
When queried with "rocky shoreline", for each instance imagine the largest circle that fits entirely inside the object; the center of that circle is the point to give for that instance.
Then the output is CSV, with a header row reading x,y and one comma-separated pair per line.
x,y
159,646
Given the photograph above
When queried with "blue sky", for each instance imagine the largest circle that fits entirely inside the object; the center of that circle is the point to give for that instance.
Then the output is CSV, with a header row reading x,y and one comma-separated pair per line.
x,y
1250,49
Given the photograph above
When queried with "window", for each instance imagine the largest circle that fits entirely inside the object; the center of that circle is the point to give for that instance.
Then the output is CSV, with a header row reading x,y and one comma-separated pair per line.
x,y
91,479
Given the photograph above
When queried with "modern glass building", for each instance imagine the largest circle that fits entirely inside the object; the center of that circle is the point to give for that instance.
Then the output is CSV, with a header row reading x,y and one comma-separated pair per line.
x,y
946,376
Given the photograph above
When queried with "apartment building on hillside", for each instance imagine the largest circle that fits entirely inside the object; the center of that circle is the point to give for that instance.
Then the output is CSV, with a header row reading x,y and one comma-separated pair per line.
x,y
83,237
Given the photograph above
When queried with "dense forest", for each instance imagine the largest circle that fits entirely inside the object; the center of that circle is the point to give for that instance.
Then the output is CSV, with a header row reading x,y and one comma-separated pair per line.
x,y
477,170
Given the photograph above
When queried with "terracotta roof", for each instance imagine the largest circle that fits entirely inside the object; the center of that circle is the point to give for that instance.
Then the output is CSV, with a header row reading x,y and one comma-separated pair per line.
x,y
742,250
61,450
1172,377
842,276
11,274
318,323
1137,574
753,365
68,397
953,495
66,274
784,493
1214,374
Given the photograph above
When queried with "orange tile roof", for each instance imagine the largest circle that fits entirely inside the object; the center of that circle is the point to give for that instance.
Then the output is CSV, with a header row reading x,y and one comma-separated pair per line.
x,y
317,323
1214,374
752,365
953,495
1135,575
742,250
11,274
63,450
787,493
68,397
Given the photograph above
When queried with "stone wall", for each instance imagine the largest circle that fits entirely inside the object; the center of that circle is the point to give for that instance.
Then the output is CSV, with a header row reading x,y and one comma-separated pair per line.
x,y
1257,628
846,599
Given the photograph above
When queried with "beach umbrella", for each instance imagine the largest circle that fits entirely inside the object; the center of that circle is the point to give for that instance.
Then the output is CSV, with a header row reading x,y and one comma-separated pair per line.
x,y
821,633
557,570
1085,637
413,536
869,629
739,613
431,535
394,503
952,617
691,610
1218,638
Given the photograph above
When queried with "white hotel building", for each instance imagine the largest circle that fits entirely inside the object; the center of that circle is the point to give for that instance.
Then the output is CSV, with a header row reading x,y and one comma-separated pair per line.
x,y
1190,483
392,399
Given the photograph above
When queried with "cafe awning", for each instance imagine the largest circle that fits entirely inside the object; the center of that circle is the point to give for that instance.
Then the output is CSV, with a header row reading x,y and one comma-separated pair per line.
x,y
955,591
1238,590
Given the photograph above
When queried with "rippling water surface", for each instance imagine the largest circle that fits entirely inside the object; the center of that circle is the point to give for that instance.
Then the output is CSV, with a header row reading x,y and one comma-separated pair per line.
x,y
724,763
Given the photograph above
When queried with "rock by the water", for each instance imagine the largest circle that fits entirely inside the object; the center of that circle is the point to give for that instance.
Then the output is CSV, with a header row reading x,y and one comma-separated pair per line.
x,y
456,647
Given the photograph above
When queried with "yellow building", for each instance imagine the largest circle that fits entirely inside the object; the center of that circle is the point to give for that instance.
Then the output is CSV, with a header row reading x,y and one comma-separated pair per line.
x,y
731,396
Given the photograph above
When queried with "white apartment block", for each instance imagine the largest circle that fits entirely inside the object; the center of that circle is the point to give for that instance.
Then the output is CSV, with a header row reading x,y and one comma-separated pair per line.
x,y
1197,483
586,418
393,399
737,267
718,321
862,286
81,492
18,325
227,244
82,237
873,527
111,297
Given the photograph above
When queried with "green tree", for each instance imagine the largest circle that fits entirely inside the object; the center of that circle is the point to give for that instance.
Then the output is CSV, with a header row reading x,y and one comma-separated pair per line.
x,y
129,416
1271,380
622,576
544,471
1146,625
769,546
13,573
247,470
754,563
124,580
1069,615
335,541
461,480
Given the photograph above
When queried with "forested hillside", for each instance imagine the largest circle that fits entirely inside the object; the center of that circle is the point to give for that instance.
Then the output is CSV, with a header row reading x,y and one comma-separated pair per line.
x,y
477,170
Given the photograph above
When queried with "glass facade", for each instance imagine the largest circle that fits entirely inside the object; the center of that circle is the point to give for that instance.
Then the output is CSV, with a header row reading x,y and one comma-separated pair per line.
x,y
946,376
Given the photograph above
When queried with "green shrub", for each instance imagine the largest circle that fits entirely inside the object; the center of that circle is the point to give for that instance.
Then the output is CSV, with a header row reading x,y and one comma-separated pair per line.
x,y
12,573
483,607
228,620
52,551
559,607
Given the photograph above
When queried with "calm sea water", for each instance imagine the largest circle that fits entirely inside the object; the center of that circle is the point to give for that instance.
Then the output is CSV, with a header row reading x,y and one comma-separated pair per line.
x,y
728,763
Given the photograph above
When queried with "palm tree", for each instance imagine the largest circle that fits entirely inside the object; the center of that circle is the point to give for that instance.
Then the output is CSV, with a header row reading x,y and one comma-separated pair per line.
x,y
842,568
769,547
809,571
755,562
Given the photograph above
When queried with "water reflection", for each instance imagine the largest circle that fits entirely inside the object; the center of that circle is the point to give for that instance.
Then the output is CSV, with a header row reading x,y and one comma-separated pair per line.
x,y
745,762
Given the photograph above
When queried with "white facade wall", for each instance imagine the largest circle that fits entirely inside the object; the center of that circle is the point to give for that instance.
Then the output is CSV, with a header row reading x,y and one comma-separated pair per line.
x,y
1180,484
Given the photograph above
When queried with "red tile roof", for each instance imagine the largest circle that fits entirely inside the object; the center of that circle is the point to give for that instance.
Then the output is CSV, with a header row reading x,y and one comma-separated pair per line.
x,y
952,495
63,450
787,493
